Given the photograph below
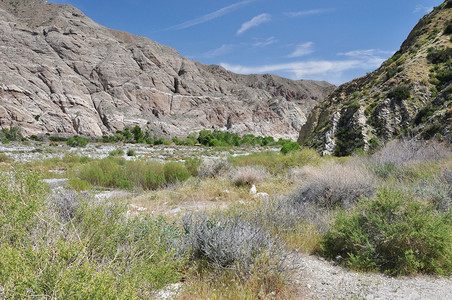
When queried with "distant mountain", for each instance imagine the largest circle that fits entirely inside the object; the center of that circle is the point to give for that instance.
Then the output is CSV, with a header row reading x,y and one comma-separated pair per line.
x,y
410,94
62,73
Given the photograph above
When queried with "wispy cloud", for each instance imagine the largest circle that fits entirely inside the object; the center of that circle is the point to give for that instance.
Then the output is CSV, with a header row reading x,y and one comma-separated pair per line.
x,y
266,42
295,14
254,22
302,49
214,15
223,49
330,70
367,53
423,9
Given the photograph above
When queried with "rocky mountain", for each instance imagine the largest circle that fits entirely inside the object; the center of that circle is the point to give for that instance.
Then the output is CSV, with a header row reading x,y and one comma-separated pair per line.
x,y
61,73
410,94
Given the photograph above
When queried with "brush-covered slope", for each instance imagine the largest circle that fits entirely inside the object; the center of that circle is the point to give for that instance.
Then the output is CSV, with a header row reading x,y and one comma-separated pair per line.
x,y
61,73
410,94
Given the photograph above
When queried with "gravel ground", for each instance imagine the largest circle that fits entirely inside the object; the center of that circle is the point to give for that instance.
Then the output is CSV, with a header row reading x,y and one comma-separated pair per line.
x,y
316,278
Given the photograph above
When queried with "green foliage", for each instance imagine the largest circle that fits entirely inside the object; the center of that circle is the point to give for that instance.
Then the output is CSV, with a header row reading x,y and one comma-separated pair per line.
x,y
289,147
275,162
192,165
13,133
399,92
116,152
57,139
423,114
448,29
392,233
99,254
77,141
162,141
116,172
131,152
175,172
78,184
439,56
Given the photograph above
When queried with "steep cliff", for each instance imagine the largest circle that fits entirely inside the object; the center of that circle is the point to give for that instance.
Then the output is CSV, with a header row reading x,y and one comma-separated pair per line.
x,y
61,73
410,94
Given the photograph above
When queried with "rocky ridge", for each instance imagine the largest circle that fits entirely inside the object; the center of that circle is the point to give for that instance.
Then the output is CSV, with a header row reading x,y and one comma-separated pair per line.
x,y
63,74
409,95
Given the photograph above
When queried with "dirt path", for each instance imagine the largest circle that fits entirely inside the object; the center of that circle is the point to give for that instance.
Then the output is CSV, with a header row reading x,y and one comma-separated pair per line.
x,y
318,279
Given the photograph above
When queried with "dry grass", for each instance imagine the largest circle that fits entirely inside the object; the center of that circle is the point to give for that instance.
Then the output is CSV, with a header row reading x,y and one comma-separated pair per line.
x,y
246,176
332,184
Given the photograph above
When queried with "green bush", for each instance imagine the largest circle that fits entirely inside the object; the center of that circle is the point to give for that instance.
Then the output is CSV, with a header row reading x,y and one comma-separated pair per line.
x,y
116,152
99,254
289,147
77,141
175,172
392,233
399,92
14,133
192,164
131,152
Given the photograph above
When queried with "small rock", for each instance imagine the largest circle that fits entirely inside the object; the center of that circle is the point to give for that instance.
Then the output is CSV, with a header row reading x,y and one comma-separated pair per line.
x,y
253,190
175,211
262,195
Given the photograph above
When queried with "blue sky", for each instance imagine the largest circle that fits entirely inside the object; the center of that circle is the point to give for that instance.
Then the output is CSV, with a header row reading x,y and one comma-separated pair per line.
x,y
327,40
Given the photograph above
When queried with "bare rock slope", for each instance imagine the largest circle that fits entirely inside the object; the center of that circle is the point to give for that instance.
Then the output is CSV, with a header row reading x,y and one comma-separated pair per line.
x,y
62,73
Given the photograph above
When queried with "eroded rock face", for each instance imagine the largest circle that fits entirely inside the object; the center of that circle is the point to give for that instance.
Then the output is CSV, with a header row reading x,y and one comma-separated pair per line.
x,y
61,73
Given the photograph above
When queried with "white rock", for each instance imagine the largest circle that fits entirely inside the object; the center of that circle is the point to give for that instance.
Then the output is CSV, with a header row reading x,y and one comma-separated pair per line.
x,y
253,190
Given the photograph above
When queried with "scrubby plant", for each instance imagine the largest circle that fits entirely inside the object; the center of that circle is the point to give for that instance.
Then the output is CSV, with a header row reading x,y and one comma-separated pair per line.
x,y
175,172
131,152
13,133
289,147
333,185
116,152
77,141
401,92
246,176
192,164
392,233
230,242
213,168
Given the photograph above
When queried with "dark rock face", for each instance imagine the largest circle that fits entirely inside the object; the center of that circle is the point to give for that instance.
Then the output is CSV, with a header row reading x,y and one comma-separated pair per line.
x,y
61,73
410,94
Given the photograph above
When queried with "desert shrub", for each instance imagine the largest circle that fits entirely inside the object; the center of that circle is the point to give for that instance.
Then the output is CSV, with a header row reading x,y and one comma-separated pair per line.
x,y
230,241
116,152
439,56
77,141
399,92
13,133
392,233
175,172
289,147
334,185
213,168
397,154
131,152
99,254
192,164
162,141
244,176
78,184
4,158
275,162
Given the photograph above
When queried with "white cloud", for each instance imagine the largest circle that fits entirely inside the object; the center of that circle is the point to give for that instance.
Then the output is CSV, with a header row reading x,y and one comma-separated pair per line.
x,y
216,14
223,49
329,70
423,9
266,42
367,53
304,13
254,22
302,49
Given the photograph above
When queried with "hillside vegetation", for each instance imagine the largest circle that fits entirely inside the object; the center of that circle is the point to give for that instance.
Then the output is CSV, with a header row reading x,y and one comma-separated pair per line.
x,y
409,95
